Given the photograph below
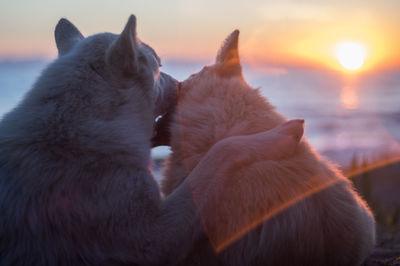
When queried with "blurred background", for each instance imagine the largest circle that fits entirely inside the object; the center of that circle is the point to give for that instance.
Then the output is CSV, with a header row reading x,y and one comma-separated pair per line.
x,y
334,63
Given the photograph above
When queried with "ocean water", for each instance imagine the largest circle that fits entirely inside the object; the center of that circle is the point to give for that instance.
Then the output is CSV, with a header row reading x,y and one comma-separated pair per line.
x,y
345,116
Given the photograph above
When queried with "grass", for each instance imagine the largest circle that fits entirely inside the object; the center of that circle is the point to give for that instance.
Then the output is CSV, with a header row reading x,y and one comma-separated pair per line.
x,y
378,182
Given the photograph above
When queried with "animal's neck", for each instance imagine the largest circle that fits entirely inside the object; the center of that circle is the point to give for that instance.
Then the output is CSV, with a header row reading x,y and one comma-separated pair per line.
x,y
227,112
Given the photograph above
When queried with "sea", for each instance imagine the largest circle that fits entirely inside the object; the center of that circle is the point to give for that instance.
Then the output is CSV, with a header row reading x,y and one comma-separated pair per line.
x,y
346,116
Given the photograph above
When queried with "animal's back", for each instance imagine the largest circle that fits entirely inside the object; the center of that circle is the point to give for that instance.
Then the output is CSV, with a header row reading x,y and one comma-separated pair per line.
x,y
75,186
305,212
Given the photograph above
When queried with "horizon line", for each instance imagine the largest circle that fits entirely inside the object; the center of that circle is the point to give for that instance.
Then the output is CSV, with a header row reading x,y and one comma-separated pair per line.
x,y
40,58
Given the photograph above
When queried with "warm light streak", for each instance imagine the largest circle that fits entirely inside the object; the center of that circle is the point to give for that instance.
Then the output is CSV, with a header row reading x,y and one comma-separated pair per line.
x,y
372,166
218,247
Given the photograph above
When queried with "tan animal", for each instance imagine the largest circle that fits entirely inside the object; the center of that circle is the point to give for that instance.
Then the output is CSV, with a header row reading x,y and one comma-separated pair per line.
x,y
297,210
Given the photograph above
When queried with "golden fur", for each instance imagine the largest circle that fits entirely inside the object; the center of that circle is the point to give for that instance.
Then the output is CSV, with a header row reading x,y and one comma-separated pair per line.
x,y
296,210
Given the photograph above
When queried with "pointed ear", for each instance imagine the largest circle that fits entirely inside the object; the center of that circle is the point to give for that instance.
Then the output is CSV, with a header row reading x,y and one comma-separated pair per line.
x,y
228,61
66,35
123,53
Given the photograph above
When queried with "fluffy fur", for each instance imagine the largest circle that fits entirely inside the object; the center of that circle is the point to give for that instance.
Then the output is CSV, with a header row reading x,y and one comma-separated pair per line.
x,y
76,186
298,210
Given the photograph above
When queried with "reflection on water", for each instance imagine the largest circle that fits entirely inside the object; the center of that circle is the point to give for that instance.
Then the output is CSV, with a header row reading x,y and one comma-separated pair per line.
x,y
349,97
342,117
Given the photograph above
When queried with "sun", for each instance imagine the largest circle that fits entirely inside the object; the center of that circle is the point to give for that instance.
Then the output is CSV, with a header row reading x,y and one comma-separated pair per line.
x,y
350,55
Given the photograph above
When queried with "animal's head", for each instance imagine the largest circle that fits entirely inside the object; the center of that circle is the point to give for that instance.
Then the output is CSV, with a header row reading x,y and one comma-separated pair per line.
x,y
119,62
102,92
105,81
225,72
220,91
223,79
227,66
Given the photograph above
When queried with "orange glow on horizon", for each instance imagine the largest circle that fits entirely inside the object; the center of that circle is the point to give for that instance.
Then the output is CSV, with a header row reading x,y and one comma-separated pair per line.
x,y
316,45
274,33
350,55
312,46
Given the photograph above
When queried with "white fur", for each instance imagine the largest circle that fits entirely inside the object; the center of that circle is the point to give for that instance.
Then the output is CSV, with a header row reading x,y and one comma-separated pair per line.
x,y
75,183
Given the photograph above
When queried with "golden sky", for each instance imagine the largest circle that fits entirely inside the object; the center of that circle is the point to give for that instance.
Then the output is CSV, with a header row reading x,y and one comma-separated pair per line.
x,y
297,32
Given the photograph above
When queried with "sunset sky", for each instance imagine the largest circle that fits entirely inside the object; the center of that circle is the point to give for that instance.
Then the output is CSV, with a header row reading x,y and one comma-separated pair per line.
x,y
272,32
